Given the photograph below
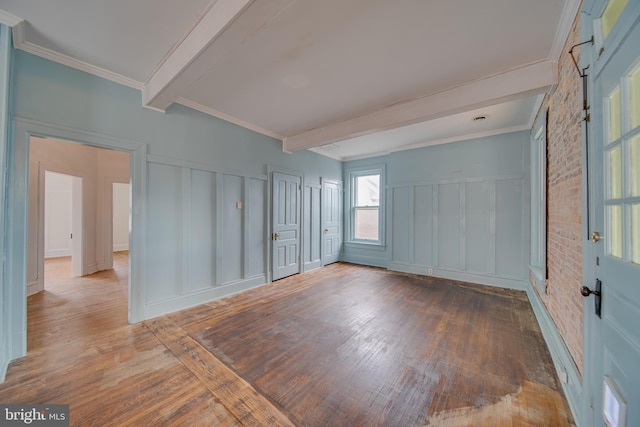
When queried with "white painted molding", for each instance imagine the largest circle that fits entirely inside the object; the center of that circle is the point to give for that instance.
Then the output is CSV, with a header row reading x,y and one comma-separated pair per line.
x,y
78,65
226,117
177,72
20,42
534,111
514,84
569,13
9,19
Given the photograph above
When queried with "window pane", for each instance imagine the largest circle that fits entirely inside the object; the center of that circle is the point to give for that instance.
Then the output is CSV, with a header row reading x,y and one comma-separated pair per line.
x,y
635,233
614,115
615,173
635,166
634,89
611,14
368,190
366,223
614,230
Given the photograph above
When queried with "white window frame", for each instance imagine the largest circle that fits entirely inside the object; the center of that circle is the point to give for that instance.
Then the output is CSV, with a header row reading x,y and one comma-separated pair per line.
x,y
538,187
352,175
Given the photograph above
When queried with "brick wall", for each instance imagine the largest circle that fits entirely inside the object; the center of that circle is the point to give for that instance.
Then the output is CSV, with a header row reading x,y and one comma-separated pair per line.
x,y
564,202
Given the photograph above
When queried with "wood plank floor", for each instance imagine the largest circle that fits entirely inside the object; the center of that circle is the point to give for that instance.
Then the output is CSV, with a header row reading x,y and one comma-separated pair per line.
x,y
341,346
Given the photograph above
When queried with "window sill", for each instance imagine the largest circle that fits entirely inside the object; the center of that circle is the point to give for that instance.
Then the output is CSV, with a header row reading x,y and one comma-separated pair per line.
x,y
538,277
364,244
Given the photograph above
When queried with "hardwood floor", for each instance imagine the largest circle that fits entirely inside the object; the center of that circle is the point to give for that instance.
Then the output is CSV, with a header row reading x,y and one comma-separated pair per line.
x,y
341,346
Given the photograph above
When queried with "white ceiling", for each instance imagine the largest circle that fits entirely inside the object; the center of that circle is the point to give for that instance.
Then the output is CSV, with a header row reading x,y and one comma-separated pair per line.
x,y
348,78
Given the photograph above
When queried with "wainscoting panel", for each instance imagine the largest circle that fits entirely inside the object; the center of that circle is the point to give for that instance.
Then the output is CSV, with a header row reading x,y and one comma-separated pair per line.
x,y
448,229
469,229
164,222
312,244
401,229
510,257
423,225
256,204
479,220
203,229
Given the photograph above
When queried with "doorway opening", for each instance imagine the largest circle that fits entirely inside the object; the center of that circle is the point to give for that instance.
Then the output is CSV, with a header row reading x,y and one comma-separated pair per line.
x,y
77,262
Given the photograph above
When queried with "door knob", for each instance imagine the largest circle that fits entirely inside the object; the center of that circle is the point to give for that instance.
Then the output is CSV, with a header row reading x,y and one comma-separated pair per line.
x,y
585,291
595,237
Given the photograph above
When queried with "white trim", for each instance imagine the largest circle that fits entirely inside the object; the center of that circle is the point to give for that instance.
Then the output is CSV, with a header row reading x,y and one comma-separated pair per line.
x,y
20,42
569,13
513,84
9,19
226,117
160,308
185,64
562,360
461,276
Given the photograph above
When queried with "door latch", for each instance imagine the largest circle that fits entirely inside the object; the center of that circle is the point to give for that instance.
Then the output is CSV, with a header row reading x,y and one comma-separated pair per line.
x,y
585,291
275,236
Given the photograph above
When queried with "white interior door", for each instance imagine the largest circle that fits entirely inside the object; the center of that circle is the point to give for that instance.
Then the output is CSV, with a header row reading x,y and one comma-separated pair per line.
x,y
331,221
285,237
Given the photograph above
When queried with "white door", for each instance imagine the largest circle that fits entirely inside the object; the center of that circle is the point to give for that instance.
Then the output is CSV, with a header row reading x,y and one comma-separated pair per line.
x,y
331,221
285,236
612,351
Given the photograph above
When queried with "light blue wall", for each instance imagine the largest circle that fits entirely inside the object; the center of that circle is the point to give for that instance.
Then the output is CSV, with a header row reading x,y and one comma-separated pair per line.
x,y
460,209
197,242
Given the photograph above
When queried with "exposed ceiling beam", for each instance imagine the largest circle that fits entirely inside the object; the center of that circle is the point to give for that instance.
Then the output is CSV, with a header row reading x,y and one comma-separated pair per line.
x,y
208,44
514,84
166,83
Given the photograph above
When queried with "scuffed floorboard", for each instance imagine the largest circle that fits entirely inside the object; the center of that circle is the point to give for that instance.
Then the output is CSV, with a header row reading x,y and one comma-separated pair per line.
x,y
533,405
340,346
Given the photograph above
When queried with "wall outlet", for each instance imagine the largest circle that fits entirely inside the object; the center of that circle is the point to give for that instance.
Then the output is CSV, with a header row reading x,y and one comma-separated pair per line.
x,y
430,271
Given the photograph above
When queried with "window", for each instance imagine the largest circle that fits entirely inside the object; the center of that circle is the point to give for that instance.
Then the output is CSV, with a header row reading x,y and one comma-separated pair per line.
x,y
611,14
537,262
366,198
622,168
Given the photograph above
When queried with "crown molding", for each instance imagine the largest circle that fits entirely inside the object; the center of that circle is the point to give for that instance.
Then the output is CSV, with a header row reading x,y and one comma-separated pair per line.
x,y
20,42
226,117
9,19
569,13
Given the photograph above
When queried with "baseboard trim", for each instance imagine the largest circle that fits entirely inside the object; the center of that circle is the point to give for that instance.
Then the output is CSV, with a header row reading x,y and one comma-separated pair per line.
x,y
201,297
4,365
562,360
500,282
365,260
34,288
57,253
313,265
121,247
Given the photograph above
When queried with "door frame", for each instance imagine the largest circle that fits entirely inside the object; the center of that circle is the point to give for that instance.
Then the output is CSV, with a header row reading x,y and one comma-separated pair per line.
x,y
293,172
16,224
